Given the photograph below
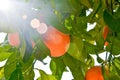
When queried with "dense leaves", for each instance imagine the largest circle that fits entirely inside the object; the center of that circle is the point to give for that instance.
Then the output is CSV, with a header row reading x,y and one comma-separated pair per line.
x,y
70,17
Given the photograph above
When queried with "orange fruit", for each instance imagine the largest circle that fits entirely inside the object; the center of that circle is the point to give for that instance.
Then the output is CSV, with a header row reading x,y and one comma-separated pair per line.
x,y
106,43
94,73
13,39
56,41
105,33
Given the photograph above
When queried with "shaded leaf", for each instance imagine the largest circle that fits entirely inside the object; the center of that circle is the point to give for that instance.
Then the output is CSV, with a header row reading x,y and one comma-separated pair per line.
x,y
115,46
111,21
41,51
90,48
17,74
86,3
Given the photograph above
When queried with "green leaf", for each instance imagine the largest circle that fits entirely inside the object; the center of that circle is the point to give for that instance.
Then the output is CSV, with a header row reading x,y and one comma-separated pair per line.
x,y
90,48
99,37
114,77
76,67
74,5
76,49
29,74
4,52
111,21
99,59
17,74
96,8
10,66
90,61
2,73
27,69
45,76
116,63
115,47
86,3
57,67
41,51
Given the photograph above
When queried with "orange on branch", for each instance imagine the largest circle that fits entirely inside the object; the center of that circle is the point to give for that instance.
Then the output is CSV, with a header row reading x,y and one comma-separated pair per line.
x,y
94,73
13,39
56,41
105,33
106,43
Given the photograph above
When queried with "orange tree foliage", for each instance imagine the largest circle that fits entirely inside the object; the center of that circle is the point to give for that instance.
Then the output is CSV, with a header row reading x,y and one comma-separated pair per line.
x,y
71,45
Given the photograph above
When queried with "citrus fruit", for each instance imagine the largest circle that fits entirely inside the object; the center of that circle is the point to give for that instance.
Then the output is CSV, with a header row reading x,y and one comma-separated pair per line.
x,y
56,41
94,73
13,39
105,33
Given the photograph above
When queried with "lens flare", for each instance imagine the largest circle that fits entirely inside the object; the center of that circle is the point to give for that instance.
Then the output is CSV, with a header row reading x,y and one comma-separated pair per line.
x,y
42,28
35,23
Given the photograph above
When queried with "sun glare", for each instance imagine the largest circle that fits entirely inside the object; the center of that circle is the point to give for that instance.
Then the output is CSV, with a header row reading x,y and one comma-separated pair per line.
x,y
4,5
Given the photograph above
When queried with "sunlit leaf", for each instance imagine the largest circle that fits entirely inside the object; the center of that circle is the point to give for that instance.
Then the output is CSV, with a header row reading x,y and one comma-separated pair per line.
x,y
77,49
10,66
45,76
2,73
27,68
75,67
4,52
58,67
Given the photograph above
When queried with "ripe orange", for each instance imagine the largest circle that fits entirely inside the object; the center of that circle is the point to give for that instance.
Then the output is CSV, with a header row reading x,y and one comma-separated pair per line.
x,y
105,33
56,41
13,39
94,73
106,43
